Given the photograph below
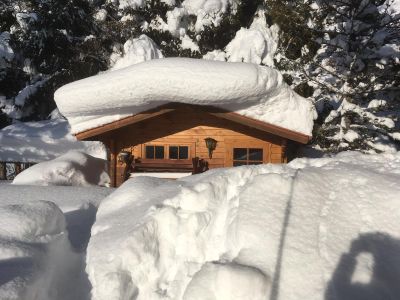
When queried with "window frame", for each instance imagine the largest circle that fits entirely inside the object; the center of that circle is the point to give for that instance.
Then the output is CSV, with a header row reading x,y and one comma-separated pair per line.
x,y
230,144
154,146
247,161
179,146
166,145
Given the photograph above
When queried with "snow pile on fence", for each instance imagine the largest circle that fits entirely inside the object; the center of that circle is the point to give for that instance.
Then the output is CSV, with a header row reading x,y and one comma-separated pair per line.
x,y
248,89
34,252
314,229
41,141
73,168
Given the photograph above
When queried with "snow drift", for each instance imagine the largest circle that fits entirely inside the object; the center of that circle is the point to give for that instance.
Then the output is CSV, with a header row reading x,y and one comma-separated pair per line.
x,y
73,168
314,229
34,251
44,140
248,89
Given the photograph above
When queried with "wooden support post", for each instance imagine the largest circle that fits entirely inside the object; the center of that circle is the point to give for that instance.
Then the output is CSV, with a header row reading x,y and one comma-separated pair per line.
x,y
3,171
284,151
17,168
113,163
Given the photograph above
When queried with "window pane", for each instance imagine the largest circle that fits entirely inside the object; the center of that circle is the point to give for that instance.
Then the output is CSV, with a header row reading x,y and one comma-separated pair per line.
x,y
159,153
255,154
239,153
150,152
183,152
239,163
255,162
173,152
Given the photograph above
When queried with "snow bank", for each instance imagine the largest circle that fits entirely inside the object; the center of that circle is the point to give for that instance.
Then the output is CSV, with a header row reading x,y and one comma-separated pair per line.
x,y
41,141
314,229
251,90
34,251
79,205
73,168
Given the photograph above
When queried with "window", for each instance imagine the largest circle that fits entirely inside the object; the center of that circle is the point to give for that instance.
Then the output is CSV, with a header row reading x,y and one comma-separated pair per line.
x,y
178,152
154,152
247,156
173,152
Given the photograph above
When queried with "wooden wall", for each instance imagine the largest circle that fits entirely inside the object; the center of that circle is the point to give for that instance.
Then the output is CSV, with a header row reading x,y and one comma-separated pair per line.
x,y
191,128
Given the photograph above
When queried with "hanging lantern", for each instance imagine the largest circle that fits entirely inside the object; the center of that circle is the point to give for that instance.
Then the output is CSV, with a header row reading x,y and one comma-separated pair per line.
x,y
124,157
211,144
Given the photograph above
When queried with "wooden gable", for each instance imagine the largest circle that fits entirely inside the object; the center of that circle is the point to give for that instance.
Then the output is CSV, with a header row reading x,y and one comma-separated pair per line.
x,y
187,126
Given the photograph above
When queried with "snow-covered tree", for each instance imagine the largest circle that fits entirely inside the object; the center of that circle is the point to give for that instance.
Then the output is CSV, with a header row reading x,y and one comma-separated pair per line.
x,y
357,76
50,42
297,44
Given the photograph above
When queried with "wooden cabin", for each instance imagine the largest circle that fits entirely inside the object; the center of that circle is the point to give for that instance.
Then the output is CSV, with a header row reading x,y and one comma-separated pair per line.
x,y
172,139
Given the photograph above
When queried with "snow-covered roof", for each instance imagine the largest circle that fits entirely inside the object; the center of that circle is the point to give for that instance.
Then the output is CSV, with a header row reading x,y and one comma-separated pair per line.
x,y
251,90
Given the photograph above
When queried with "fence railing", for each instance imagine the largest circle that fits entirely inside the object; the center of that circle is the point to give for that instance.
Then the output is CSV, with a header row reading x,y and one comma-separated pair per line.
x,y
10,169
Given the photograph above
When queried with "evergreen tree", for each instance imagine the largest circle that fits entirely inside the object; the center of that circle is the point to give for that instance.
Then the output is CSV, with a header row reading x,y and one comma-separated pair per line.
x,y
50,40
297,47
357,72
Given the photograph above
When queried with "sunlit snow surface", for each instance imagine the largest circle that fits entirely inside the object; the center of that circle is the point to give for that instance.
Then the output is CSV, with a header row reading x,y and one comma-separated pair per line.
x,y
42,243
248,89
75,168
324,228
41,141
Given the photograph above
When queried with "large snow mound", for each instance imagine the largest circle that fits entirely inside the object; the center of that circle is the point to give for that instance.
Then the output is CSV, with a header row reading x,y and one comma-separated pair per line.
x,y
248,89
44,262
34,251
324,228
73,168
41,141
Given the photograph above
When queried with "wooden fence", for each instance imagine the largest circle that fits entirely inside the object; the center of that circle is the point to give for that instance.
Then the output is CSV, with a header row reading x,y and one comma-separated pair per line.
x,y
10,169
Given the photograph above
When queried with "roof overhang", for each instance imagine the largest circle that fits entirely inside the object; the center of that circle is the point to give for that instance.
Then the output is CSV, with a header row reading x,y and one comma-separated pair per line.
x,y
217,112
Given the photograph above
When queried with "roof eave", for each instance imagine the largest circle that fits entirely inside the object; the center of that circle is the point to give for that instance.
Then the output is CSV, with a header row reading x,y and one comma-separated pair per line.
x,y
217,112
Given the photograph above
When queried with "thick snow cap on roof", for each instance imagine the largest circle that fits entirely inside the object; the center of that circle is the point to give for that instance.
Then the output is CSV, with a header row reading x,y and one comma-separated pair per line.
x,y
251,90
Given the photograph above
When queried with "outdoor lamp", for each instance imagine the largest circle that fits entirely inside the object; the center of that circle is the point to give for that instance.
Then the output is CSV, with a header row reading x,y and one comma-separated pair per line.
x,y
211,144
124,156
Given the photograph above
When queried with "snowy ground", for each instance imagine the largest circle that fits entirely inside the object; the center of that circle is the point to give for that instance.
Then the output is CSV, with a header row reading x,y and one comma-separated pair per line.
x,y
42,245
323,229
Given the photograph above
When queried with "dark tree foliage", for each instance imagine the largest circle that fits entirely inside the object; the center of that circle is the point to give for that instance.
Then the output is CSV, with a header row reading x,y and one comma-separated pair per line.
x,y
49,38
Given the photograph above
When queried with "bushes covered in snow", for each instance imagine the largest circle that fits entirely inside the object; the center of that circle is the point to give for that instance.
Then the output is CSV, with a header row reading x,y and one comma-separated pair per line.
x,y
73,168
314,229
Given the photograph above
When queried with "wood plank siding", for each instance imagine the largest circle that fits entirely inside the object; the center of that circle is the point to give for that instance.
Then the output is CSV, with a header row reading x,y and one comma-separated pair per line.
x,y
189,127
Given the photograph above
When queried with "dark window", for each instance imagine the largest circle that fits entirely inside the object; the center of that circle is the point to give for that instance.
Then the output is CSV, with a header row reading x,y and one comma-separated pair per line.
x,y
183,152
247,156
154,152
159,152
150,152
255,154
173,152
239,153
178,152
